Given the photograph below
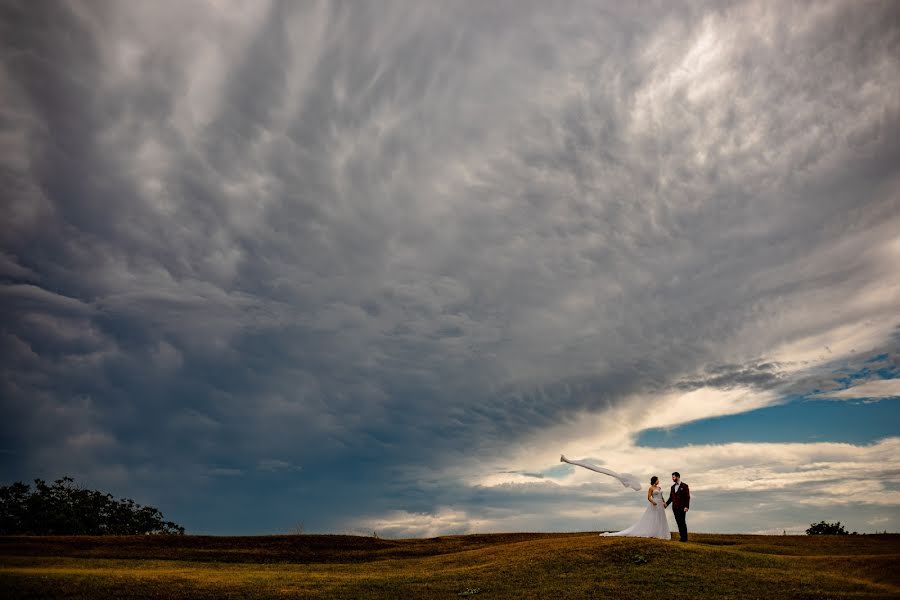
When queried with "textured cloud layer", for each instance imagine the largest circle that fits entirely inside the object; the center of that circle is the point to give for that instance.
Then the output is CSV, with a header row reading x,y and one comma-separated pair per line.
x,y
298,252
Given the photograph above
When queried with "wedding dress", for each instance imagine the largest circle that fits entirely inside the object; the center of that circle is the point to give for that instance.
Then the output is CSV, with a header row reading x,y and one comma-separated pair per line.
x,y
653,523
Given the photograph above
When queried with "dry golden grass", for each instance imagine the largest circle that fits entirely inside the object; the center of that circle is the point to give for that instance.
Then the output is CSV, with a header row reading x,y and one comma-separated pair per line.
x,y
486,566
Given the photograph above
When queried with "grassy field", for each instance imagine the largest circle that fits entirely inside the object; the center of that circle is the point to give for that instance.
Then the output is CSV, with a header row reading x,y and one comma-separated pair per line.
x,y
522,565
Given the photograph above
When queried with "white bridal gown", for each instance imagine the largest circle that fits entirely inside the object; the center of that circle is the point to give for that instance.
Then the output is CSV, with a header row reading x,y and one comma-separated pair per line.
x,y
653,523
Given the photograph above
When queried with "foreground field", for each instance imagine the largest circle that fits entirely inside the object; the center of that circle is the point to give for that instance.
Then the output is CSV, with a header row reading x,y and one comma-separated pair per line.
x,y
487,566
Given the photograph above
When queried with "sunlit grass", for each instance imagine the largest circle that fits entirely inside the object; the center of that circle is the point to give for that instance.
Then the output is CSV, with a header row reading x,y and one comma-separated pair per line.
x,y
501,566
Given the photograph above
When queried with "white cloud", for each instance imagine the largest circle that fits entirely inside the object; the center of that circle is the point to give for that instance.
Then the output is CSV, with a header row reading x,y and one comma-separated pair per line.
x,y
870,390
678,408
731,484
402,524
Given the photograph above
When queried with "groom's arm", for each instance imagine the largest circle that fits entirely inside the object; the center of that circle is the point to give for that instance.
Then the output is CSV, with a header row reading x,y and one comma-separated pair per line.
x,y
687,496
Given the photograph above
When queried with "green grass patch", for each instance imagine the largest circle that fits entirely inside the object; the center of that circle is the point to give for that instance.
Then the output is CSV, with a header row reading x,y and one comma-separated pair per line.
x,y
483,566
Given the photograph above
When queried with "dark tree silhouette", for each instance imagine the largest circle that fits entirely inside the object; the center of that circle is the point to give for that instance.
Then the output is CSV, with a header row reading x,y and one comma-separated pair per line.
x,y
65,509
823,528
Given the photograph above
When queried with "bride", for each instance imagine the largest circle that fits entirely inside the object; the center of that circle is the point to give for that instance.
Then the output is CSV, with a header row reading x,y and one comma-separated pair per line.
x,y
653,522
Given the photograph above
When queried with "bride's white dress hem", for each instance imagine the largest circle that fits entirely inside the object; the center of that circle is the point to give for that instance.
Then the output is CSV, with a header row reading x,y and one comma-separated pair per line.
x,y
652,524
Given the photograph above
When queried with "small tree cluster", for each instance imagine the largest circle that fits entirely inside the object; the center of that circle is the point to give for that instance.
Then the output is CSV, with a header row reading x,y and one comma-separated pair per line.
x,y
65,509
823,528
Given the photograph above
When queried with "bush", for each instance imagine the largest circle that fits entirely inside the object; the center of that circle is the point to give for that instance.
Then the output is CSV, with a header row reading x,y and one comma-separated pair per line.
x,y
65,509
823,528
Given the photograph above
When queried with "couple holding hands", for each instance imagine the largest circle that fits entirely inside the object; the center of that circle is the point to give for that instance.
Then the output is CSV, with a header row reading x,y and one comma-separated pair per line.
x,y
653,522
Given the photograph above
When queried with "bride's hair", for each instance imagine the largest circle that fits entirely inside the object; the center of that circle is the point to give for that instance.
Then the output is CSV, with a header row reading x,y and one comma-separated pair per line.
x,y
653,480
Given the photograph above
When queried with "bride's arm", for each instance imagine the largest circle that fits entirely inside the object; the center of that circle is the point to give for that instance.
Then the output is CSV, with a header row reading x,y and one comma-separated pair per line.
x,y
650,495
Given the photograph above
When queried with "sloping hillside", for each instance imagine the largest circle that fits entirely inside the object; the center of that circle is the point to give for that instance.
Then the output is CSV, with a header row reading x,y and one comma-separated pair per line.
x,y
484,566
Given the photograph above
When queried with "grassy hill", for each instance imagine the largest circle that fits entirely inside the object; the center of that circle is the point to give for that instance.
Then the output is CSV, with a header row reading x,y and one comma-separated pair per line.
x,y
522,565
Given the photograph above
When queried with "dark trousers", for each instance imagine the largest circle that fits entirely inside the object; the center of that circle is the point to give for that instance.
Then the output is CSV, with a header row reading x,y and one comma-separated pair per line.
x,y
678,511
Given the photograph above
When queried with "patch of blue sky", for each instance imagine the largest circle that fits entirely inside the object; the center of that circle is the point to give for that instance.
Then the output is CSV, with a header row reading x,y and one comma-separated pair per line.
x,y
889,371
848,421
877,358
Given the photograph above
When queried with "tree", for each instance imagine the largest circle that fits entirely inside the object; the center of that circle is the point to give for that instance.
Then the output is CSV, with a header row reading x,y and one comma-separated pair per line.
x,y
65,509
823,528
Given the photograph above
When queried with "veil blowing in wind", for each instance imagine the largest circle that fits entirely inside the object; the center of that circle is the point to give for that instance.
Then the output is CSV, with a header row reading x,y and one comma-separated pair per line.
x,y
626,479
653,523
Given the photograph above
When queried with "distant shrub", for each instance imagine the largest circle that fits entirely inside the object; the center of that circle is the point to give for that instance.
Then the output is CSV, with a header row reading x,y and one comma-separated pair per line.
x,y
65,509
823,528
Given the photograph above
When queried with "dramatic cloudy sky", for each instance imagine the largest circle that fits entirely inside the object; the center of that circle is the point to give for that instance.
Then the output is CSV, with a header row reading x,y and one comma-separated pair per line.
x,y
373,266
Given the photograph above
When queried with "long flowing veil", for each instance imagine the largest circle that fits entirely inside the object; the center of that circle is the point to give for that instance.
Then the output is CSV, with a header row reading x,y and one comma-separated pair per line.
x,y
626,479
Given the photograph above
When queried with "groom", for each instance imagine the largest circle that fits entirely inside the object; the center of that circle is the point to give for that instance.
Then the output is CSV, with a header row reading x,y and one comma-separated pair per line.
x,y
680,499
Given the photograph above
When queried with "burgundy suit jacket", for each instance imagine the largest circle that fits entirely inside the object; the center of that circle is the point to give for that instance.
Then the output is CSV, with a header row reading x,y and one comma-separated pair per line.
x,y
681,498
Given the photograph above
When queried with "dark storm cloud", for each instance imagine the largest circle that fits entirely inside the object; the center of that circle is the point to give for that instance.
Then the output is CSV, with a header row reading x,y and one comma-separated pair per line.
x,y
762,375
334,242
